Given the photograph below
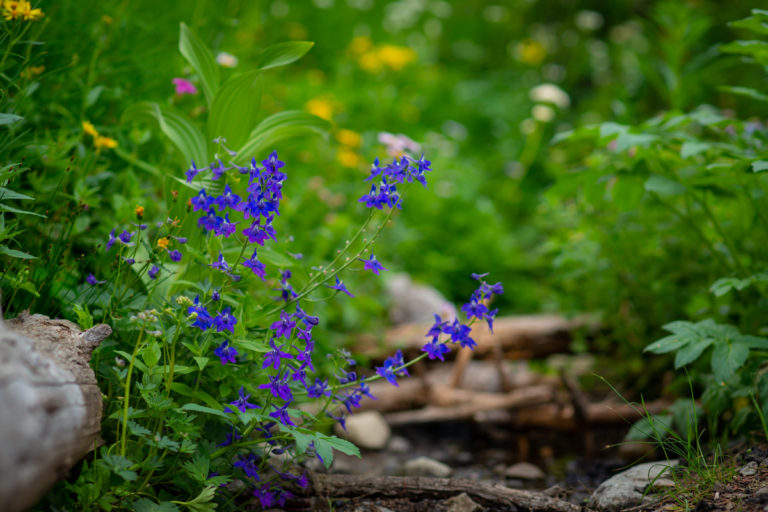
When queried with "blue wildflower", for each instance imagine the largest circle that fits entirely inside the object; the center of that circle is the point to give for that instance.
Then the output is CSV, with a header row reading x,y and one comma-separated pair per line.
x,y
91,280
372,264
226,353
340,287
242,403
153,272
175,255
224,321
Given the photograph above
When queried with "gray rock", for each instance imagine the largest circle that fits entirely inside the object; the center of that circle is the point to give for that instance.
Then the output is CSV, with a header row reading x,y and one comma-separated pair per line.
x,y
412,302
367,430
524,471
461,503
399,444
424,466
749,469
626,488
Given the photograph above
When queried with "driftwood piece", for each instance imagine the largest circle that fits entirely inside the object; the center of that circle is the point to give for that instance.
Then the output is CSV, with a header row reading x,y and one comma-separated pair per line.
x,y
488,495
520,337
50,405
460,404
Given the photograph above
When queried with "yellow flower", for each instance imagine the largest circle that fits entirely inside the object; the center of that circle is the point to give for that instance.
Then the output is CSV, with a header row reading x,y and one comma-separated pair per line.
x,y
89,129
20,9
139,211
349,138
320,107
32,71
530,52
360,44
163,243
396,57
370,62
348,158
106,19
104,142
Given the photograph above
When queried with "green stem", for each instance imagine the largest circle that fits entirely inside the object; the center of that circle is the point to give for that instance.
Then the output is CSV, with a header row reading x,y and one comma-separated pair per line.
x,y
726,239
124,432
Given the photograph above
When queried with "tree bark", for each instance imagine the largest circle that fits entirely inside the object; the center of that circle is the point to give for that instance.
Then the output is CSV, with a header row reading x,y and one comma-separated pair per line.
x,y
488,495
50,405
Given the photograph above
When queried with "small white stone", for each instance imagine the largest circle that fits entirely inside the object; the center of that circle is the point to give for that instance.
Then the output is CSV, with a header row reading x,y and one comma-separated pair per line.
x,y
424,466
367,430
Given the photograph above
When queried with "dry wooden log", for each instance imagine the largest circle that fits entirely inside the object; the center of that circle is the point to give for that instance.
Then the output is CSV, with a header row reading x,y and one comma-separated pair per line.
x,y
563,417
521,337
488,495
460,404
49,401
482,376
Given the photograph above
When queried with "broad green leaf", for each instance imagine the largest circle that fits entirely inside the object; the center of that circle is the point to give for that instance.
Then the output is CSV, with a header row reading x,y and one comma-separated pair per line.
x,y
201,361
343,445
760,165
755,23
692,148
745,91
187,138
663,186
13,253
691,352
206,410
283,53
610,128
9,118
6,193
726,284
235,108
201,59
628,140
278,127
727,357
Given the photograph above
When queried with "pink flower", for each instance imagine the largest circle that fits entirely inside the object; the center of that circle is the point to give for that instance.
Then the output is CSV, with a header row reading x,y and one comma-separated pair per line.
x,y
184,86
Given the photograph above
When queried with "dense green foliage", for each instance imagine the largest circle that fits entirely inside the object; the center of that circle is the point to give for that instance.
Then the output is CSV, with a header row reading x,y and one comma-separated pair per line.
x,y
611,162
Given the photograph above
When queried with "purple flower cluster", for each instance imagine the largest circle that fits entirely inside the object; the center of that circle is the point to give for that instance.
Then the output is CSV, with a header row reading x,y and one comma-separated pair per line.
x,y
204,320
258,208
458,332
391,175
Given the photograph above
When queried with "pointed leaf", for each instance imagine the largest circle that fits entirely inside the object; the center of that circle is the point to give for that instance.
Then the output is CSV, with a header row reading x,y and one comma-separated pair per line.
x,y
235,108
185,136
283,53
691,352
663,186
10,194
277,127
201,59
13,253
9,118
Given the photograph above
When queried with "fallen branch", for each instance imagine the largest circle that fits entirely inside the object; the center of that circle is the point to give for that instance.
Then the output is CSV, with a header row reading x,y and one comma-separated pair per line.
x,y
50,405
460,404
488,495
520,337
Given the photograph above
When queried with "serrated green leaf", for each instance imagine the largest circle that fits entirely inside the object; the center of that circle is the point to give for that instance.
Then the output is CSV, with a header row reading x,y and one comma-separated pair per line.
x,y
278,127
201,59
756,23
691,352
726,284
682,334
198,467
727,357
187,138
147,505
6,118
235,109
283,53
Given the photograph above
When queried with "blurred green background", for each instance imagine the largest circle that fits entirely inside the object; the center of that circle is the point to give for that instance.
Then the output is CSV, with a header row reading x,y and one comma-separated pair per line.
x,y
481,86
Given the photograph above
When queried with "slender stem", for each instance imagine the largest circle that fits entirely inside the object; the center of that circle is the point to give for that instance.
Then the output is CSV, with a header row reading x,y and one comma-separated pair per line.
x,y
726,239
127,393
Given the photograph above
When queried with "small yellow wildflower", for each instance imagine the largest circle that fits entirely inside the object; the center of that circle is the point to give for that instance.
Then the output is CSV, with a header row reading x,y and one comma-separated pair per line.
x,y
360,44
20,9
370,62
106,19
530,52
139,211
349,138
163,243
320,107
396,57
104,142
32,71
348,158
89,129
